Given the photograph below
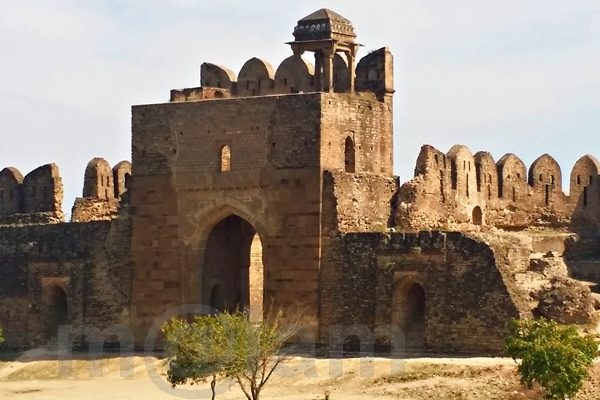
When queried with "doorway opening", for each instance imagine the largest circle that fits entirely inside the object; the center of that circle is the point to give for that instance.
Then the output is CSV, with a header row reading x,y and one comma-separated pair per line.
x,y
233,274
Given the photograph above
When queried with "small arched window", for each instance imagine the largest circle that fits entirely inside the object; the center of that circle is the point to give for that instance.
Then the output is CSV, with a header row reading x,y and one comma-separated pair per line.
x,y
127,181
349,156
477,216
225,164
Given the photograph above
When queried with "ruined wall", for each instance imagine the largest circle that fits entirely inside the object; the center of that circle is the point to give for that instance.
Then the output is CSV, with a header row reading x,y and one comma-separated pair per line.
x,y
11,196
36,198
89,263
467,297
357,202
103,190
460,188
121,178
375,73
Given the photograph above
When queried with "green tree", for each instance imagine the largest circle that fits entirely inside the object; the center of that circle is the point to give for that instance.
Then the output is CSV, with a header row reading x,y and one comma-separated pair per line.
x,y
227,345
197,350
555,356
1,335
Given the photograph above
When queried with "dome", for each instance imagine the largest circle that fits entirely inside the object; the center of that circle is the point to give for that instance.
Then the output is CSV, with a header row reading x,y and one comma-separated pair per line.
x,y
324,24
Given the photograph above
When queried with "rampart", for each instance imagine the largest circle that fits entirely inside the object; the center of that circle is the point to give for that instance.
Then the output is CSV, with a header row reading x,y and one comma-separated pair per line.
x,y
444,291
64,273
276,186
295,74
35,198
459,187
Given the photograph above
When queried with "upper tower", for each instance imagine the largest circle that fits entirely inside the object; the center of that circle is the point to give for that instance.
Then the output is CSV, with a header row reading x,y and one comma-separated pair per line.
x,y
331,38
326,33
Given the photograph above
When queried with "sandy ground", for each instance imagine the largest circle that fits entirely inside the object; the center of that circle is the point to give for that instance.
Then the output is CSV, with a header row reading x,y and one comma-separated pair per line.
x,y
37,376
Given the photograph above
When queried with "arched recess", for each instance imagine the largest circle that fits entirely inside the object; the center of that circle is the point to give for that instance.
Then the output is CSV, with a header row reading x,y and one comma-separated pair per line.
x,y
477,216
233,270
409,311
349,155
340,73
55,309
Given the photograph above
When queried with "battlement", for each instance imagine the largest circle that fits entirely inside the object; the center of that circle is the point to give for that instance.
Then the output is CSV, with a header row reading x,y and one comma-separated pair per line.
x,y
294,75
462,187
332,40
103,189
37,198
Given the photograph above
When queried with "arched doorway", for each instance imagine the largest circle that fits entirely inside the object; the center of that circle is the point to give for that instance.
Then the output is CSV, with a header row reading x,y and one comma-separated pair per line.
x,y
408,312
477,216
233,273
55,310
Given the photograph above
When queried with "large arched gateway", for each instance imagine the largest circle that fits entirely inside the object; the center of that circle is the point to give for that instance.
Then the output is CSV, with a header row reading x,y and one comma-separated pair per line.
x,y
233,273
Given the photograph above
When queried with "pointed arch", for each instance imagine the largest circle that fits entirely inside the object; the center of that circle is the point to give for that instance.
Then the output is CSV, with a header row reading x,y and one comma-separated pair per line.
x,y
232,269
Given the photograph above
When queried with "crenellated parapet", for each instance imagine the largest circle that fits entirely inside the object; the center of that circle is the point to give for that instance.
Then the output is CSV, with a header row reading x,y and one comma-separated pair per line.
x,y
295,74
464,188
103,190
35,198
330,38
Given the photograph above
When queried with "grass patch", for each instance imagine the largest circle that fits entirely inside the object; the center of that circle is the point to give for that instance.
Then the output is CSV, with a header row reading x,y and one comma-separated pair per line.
x,y
417,372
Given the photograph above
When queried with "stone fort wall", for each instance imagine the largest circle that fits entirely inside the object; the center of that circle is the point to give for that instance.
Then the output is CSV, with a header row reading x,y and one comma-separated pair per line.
x,y
287,174
467,292
76,273
459,187
36,198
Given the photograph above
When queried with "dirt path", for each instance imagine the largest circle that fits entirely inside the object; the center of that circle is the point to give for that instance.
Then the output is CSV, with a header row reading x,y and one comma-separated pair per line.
x,y
135,377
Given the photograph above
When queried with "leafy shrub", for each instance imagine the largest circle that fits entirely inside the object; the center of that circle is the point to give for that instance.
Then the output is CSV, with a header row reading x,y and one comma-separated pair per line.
x,y
226,345
555,356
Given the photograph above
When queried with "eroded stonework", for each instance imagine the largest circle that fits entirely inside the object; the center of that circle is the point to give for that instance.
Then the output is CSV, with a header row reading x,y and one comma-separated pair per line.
x,y
275,187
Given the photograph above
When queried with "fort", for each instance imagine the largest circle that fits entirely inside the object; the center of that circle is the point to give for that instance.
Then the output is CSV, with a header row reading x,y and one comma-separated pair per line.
x,y
276,186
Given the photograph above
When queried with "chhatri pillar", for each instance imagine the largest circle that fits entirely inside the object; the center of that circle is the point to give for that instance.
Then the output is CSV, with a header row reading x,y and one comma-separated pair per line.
x,y
326,33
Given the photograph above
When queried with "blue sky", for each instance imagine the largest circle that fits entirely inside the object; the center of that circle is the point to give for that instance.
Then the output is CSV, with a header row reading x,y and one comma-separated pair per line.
x,y
512,76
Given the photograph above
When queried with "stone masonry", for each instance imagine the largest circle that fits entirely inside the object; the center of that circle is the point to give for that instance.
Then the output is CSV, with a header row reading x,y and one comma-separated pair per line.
x,y
275,187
